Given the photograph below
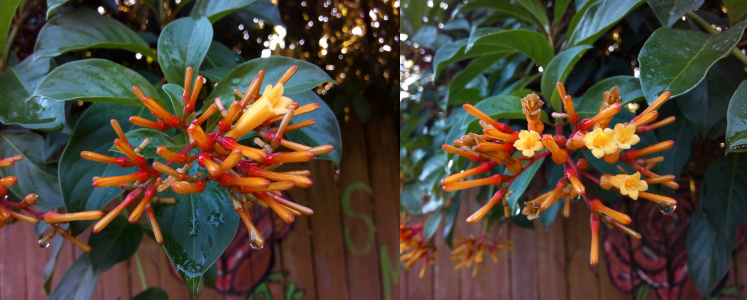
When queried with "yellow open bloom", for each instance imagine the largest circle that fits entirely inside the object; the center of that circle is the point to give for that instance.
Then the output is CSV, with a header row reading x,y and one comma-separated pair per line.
x,y
625,136
601,142
528,142
629,185
271,103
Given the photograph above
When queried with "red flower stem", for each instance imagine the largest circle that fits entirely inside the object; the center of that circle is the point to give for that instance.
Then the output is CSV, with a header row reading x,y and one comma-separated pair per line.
x,y
7,203
592,178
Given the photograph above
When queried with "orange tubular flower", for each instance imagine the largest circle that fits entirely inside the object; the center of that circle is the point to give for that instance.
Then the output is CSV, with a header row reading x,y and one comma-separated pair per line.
x,y
287,157
52,217
594,223
647,128
117,180
127,150
487,119
204,142
480,213
577,185
559,156
307,108
278,208
273,187
177,157
634,154
154,224
143,122
120,161
642,119
251,182
184,187
160,113
299,181
213,168
190,107
8,181
597,206
482,168
663,98
10,161
252,153
496,179
604,115
255,238
531,106
454,150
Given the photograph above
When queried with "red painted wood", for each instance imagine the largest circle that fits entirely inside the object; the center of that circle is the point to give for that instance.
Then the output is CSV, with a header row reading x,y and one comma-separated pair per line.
x,y
14,258
296,250
551,259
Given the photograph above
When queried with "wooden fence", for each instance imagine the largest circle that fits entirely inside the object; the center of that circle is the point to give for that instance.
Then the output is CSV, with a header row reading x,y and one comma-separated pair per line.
x,y
346,250
550,263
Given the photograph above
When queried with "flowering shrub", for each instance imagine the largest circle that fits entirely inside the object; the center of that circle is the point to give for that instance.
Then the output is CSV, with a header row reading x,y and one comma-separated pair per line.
x,y
482,107
199,136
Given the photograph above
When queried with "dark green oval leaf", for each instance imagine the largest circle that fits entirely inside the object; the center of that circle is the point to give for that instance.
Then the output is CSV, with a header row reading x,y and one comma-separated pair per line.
x,y
117,242
678,70
598,18
19,106
307,76
95,80
557,70
724,187
735,9
78,281
508,8
521,182
736,120
152,293
183,43
219,55
54,5
93,133
708,252
630,90
432,224
684,133
34,176
196,231
669,12
538,12
528,42
86,29
215,10
175,93
262,10
7,10
325,130
460,90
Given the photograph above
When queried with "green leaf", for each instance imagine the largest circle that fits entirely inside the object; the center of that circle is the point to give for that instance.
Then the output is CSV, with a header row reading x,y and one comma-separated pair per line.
x,y
34,176
528,42
508,8
448,54
82,29
664,68
521,182
559,10
684,133
157,138
497,107
152,293
535,8
669,12
324,131
707,103
7,10
116,243
459,84
183,43
196,231
215,10
175,93
217,74
307,76
54,5
411,198
630,91
432,224
219,55
553,173
51,266
262,10
598,18
78,281
94,80
557,70
724,187
17,86
94,133
708,252
451,214
736,10
736,120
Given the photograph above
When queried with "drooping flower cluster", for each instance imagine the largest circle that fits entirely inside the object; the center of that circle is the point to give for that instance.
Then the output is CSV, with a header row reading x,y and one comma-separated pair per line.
x,y
22,211
498,142
413,246
471,251
247,172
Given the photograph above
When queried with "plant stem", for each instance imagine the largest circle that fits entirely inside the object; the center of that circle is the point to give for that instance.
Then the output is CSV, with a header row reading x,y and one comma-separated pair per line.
x,y
140,271
707,27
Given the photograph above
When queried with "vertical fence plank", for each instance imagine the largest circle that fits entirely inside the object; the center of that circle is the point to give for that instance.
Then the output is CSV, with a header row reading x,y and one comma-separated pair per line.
x,y
584,283
35,263
471,288
327,238
446,283
169,283
296,250
148,252
524,283
420,288
116,281
607,290
362,261
382,139
551,259
14,261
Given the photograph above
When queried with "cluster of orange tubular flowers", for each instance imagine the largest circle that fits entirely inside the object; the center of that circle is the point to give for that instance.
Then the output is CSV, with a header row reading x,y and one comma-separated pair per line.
x,y
471,251
247,172
22,211
611,143
413,246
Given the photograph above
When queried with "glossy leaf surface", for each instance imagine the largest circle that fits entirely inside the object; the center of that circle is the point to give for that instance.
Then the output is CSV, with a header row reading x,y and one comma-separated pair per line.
x,y
183,43
736,120
34,176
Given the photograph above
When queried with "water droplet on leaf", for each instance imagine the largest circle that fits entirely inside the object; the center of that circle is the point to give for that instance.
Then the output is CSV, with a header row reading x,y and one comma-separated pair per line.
x,y
666,209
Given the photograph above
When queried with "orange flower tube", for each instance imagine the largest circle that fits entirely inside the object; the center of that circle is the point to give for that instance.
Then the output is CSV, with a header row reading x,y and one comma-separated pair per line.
x,y
299,181
8,181
143,122
287,157
606,114
597,206
184,187
177,157
117,180
252,182
120,161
